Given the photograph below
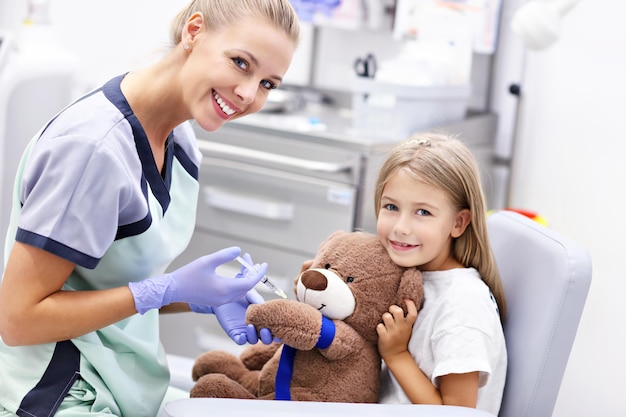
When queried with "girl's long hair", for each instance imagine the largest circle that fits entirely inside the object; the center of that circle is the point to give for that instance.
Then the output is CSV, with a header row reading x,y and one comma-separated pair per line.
x,y
446,163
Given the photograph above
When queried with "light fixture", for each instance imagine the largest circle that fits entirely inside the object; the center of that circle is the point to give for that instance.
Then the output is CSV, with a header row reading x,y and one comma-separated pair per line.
x,y
538,23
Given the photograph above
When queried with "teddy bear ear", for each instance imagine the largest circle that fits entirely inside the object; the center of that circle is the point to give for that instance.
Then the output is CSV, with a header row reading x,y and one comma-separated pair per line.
x,y
330,239
411,287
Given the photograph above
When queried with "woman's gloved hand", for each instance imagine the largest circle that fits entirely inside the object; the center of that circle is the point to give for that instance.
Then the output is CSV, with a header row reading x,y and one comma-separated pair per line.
x,y
196,283
232,316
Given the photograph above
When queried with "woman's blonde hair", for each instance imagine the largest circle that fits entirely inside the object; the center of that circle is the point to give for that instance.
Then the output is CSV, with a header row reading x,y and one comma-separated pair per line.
x,y
220,13
446,163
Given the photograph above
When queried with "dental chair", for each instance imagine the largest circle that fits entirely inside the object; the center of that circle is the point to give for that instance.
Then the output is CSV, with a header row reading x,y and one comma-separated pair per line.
x,y
546,279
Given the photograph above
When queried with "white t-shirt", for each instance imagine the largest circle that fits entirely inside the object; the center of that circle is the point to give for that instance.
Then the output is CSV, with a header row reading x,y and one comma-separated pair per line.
x,y
457,331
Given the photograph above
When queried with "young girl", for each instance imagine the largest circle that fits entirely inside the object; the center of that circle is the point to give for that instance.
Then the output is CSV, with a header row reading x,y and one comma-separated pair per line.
x,y
431,214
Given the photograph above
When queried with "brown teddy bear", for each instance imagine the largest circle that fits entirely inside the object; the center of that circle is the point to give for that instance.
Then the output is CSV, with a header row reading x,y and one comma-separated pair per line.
x,y
328,337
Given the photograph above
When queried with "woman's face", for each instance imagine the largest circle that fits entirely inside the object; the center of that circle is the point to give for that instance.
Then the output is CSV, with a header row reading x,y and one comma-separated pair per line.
x,y
230,72
417,222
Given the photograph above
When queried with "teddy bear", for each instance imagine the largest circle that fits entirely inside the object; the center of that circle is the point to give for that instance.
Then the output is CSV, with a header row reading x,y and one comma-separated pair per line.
x,y
328,339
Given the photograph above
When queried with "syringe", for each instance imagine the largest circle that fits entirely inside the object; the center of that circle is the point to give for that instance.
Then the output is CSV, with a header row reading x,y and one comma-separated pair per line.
x,y
265,280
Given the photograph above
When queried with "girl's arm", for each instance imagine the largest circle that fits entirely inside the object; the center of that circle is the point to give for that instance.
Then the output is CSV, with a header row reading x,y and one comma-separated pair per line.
x,y
393,340
34,309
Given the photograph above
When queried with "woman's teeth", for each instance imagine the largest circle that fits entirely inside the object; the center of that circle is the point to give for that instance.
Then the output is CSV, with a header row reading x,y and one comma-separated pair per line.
x,y
223,105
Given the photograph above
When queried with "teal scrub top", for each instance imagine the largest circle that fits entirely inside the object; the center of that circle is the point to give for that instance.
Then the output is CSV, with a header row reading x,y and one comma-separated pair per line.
x,y
88,190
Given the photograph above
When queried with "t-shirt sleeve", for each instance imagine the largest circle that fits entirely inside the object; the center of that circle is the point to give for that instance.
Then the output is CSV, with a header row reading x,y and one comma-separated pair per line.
x,y
71,193
464,341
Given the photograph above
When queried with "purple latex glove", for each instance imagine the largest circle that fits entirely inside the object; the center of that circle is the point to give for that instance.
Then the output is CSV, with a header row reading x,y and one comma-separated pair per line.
x,y
196,283
232,316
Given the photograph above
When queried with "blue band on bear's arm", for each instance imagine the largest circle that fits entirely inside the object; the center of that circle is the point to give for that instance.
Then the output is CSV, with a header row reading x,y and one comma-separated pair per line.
x,y
327,333
285,365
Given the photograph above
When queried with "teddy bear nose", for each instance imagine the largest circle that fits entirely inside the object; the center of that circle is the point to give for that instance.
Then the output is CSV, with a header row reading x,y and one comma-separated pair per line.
x,y
314,280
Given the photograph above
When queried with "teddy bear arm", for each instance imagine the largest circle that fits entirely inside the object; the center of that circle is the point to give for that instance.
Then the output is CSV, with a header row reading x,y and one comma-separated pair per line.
x,y
295,324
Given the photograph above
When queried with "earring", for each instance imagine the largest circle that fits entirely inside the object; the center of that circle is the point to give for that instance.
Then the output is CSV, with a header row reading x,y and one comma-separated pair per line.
x,y
186,46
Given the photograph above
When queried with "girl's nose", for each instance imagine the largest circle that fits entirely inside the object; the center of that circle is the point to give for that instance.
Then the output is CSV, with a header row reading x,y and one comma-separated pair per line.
x,y
402,226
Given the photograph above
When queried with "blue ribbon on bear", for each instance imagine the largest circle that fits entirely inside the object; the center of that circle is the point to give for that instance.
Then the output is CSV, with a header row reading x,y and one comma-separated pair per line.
x,y
285,365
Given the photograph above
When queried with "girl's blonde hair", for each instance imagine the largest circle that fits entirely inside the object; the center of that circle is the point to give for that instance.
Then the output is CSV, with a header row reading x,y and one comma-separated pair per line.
x,y
220,13
446,163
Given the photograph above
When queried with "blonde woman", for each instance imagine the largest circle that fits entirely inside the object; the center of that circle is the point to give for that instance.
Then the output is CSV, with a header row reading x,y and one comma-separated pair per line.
x,y
105,199
431,214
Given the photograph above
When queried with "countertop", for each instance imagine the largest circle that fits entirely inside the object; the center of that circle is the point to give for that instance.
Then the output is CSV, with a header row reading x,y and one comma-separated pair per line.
x,y
333,126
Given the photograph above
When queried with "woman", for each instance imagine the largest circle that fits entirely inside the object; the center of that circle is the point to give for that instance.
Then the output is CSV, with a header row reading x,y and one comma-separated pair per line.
x,y
105,199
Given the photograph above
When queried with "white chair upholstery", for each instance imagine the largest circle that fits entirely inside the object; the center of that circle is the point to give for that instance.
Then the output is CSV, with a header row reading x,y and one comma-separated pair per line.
x,y
546,279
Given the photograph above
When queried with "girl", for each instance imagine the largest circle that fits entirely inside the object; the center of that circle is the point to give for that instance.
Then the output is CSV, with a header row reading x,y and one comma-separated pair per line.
x,y
431,214
105,199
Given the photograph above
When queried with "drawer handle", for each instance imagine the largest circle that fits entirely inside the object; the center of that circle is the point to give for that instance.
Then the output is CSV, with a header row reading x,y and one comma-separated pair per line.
x,y
318,166
224,200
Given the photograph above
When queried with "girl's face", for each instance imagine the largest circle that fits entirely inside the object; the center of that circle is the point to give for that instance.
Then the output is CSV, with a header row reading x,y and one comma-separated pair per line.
x,y
229,73
417,222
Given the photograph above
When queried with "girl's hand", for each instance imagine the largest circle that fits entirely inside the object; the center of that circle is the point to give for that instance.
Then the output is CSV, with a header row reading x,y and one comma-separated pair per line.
x,y
395,330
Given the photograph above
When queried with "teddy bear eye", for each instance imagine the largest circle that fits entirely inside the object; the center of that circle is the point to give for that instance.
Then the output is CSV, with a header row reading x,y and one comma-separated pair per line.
x,y
350,279
327,266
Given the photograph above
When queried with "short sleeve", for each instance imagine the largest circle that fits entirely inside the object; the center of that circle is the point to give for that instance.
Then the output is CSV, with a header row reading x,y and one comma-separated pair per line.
x,y
465,339
72,192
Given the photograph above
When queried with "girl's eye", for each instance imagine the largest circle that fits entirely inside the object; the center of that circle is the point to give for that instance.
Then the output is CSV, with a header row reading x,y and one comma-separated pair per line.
x,y
268,85
422,212
241,63
391,207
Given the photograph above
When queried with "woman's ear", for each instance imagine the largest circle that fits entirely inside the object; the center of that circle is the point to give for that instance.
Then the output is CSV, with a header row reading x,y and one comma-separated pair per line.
x,y
461,222
194,26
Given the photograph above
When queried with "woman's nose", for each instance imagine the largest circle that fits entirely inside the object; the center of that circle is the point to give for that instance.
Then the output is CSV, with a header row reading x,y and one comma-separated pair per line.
x,y
247,91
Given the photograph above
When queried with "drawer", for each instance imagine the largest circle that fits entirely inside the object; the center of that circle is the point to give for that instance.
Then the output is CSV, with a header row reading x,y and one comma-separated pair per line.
x,y
306,158
280,209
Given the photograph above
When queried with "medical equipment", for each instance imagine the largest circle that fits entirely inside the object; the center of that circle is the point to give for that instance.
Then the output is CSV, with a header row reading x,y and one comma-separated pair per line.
x,y
265,280
6,43
539,23
366,66
37,79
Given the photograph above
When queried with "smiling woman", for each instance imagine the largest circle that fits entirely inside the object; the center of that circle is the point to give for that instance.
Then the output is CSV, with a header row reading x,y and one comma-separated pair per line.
x,y
84,280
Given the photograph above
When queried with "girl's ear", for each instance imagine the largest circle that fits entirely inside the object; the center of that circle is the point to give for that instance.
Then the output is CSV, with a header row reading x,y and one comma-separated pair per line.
x,y
461,222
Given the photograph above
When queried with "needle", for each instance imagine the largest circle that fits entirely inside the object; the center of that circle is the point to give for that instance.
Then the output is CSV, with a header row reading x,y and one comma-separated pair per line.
x,y
265,280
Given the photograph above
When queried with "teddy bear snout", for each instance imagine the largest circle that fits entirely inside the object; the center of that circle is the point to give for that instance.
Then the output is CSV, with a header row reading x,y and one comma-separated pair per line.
x,y
314,280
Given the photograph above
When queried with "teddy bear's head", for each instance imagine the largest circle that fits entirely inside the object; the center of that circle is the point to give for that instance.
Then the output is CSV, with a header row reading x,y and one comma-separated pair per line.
x,y
353,279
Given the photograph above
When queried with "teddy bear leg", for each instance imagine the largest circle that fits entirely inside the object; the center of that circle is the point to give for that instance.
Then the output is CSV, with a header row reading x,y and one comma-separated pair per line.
x,y
219,386
255,356
218,362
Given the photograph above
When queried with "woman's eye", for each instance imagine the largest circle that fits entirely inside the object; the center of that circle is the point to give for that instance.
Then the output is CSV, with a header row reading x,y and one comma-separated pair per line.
x,y
391,207
268,85
422,212
241,63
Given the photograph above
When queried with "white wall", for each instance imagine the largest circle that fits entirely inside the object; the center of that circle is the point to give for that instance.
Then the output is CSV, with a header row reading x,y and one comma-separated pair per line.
x,y
569,165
